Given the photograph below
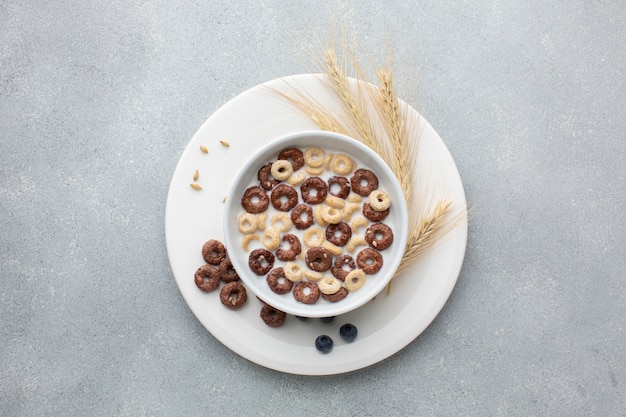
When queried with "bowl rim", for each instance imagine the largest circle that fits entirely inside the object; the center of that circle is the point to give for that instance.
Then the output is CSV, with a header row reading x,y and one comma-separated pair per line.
x,y
261,156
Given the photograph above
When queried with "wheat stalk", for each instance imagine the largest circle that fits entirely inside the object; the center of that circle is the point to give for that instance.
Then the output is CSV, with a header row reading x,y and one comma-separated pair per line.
x,y
339,82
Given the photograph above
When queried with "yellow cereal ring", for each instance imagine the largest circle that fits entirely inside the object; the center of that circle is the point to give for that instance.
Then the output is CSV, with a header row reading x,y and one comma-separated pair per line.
x,y
327,160
329,285
355,279
245,241
342,164
331,215
355,242
296,178
333,249
281,169
313,275
379,200
246,223
317,216
314,157
313,171
358,222
313,237
283,220
260,221
335,202
271,238
293,272
350,209
354,198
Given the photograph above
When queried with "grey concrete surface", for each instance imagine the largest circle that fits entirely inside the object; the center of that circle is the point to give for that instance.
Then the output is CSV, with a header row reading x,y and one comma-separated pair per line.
x,y
98,100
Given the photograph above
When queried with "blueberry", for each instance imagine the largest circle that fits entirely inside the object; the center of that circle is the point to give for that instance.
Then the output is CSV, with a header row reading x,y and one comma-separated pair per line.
x,y
301,318
327,319
324,343
348,332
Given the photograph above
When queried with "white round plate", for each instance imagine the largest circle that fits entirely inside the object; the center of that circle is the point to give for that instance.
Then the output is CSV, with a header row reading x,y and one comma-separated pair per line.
x,y
386,324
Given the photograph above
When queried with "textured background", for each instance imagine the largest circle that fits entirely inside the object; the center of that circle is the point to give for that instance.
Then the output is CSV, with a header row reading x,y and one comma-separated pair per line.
x,y
98,100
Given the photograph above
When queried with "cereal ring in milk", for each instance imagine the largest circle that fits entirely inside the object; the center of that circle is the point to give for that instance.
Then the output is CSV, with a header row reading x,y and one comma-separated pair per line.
x,y
379,200
350,210
281,222
313,171
245,241
329,285
355,280
306,292
379,236
314,157
302,216
355,242
293,272
246,223
335,202
313,237
281,169
333,249
331,215
260,221
357,223
317,216
313,275
296,179
342,164
293,155
327,160
271,238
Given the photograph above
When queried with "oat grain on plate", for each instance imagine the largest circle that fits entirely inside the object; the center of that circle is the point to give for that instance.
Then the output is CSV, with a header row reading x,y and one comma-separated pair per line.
x,y
204,149
195,186
224,143
196,175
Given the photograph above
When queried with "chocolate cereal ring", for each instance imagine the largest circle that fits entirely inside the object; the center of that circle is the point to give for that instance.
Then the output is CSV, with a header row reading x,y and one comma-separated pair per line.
x,y
207,278
379,236
369,260
302,216
318,259
261,261
338,234
339,186
255,200
266,181
272,316
373,215
227,272
293,155
277,281
363,182
284,197
233,295
314,190
294,248
306,292
338,296
213,251
342,266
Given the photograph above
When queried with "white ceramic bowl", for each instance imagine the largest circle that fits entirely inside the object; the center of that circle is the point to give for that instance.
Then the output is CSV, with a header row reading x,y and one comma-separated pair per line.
x,y
331,143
